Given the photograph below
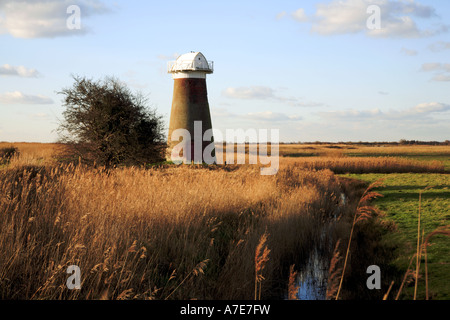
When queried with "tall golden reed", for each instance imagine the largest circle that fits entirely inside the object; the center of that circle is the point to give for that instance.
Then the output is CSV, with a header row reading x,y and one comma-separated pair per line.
x,y
261,258
162,233
177,233
363,211
293,286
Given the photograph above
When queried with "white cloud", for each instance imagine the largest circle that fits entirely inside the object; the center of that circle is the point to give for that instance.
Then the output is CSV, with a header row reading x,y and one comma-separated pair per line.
x,y
350,114
439,46
430,107
264,116
350,16
18,97
254,92
220,112
271,116
425,121
266,93
21,71
398,27
441,77
280,15
44,18
306,104
431,66
409,52
300,15
420,112
339,17
173,56
442,70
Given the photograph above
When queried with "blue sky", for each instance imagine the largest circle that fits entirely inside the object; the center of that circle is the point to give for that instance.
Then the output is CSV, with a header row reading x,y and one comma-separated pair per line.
x,y
312,69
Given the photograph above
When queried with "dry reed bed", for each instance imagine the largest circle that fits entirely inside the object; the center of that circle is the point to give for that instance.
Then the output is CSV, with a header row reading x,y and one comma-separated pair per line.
x,y
33,153
366,165
363,149
332,159
175,233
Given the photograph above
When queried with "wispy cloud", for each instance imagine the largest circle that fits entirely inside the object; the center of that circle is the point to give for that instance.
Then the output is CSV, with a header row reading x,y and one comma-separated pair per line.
x,y
422,121
18,97
435,66
439,46
350,16
271,116
441,77
280,15
428,108
20,71
266,93
300,15
45,18
253,92
441,70
264,116
166,57
420,112
409,52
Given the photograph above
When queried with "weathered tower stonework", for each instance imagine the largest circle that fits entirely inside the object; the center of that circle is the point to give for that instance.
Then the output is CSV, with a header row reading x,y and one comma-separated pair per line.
x,y
190,103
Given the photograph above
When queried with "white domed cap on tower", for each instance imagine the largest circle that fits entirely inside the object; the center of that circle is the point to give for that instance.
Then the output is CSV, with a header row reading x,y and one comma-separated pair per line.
x,y
190,65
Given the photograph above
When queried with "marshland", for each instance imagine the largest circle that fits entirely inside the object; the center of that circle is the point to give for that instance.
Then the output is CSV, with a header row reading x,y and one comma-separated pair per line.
x,y
226,231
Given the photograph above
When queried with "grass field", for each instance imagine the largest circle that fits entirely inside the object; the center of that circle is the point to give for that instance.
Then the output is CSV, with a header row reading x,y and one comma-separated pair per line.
x,y
401,203
217,232
414,152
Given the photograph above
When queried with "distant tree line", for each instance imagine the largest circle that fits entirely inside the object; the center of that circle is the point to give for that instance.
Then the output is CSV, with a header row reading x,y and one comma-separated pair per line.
x,y
417,142
376,143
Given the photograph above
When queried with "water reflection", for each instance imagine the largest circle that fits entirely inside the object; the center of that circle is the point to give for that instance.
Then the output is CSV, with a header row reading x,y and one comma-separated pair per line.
x,y
313,277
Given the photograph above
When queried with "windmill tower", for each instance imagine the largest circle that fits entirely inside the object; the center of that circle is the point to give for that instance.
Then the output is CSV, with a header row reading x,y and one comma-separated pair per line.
x,y
190,103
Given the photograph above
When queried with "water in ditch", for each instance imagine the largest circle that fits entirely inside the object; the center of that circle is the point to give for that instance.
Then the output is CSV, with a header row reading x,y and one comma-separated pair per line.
x,y
312,279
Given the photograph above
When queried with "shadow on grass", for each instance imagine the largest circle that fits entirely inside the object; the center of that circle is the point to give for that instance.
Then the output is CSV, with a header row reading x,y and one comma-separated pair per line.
x,y
368,247
415,187
299,155
414,196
